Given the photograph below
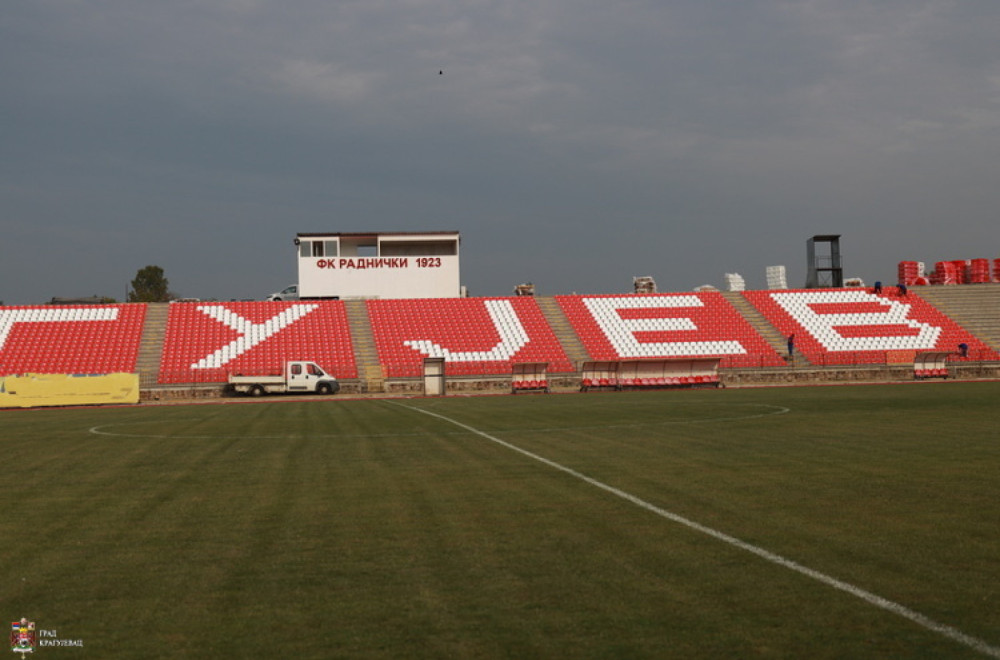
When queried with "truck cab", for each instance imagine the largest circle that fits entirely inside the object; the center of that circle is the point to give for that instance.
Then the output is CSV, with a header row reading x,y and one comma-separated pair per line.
x,y
308,377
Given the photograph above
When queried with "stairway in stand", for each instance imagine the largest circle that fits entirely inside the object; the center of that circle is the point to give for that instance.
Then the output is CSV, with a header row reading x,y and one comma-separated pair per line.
x,y
154,329
564,332
370,371
771,334
975,307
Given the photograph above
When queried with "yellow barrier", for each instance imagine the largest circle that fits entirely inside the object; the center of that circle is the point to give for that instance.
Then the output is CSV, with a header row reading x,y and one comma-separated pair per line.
x,y
33,390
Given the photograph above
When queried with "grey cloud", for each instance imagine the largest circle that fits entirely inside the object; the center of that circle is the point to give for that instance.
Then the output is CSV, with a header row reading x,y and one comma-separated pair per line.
x,y
577,142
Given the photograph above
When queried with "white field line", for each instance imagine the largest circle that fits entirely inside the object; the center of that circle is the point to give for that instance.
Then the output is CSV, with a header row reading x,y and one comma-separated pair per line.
x,y
867,596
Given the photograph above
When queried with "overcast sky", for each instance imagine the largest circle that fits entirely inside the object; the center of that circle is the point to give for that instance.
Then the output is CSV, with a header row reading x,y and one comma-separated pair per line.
x,y
573,143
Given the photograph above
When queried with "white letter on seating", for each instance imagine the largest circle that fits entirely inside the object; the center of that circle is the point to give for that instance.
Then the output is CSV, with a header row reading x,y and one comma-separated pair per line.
x,y
54,315
824,326
621,332
512,338
251,334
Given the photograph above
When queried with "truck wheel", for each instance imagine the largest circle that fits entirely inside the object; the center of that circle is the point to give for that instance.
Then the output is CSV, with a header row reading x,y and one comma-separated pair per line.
x,y
256,390
324,388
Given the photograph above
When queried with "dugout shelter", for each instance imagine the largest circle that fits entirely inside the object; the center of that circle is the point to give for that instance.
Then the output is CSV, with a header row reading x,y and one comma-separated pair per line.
x,y
930,364
647,373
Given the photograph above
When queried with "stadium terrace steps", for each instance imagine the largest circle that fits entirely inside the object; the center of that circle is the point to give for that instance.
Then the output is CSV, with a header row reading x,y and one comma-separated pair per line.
x,y
769,332
976,307
563,329
151,344
363,339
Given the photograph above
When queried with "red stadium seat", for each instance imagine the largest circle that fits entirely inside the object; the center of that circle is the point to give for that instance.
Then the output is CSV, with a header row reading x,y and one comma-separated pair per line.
x,y
474,335
853,326
71,339
703,324
205,342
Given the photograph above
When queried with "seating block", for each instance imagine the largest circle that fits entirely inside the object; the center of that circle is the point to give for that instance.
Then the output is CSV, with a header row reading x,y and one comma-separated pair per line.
x,y
205,342
474,335
858,326
670,325
70,339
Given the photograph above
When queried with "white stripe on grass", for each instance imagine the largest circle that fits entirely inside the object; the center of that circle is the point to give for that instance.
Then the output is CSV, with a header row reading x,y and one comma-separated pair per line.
x,y
867,596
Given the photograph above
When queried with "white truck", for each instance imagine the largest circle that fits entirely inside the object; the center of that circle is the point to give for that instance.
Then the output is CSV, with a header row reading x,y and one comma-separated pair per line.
x,y
299,376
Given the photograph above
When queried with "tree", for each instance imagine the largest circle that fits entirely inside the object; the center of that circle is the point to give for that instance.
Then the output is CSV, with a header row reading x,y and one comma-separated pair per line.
x,y
149,285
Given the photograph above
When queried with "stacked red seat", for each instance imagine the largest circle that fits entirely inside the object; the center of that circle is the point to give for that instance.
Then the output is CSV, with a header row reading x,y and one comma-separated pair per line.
x,y
908,272
979,271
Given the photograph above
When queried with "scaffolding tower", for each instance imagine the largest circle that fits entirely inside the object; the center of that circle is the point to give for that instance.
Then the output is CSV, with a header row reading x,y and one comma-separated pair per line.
x,y
824,270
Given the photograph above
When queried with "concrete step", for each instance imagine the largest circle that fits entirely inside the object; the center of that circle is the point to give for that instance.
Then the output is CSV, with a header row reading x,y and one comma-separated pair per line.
x,y
154,332
563,330
366,359
976,307
771,334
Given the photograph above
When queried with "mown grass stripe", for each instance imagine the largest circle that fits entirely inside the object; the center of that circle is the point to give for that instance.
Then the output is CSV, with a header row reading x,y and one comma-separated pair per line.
x,y
947,631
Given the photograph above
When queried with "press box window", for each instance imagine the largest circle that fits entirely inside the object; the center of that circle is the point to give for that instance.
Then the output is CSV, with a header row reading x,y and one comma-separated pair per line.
x,y
318,249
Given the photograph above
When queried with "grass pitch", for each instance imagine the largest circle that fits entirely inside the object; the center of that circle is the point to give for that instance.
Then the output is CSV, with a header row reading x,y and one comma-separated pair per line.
x,y
367,528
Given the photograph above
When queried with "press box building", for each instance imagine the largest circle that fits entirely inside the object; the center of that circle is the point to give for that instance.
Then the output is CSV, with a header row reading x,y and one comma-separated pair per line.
x,y
379,265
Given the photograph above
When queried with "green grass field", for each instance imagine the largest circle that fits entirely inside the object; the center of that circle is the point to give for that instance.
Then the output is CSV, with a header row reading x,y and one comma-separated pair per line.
x,y
299,528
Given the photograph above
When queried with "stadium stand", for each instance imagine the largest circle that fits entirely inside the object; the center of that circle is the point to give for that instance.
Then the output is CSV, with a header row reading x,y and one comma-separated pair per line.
x,y
205,342
975,308
845,326
85,339
667,325
196,343
474,335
